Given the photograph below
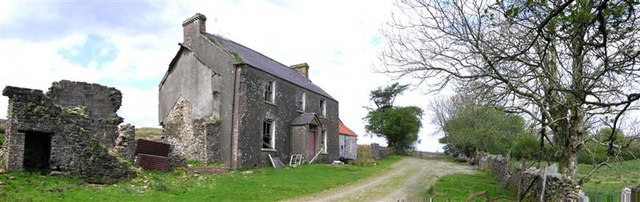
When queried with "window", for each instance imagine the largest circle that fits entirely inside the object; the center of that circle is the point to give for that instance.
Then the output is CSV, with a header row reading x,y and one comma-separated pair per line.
x,y
323,141
300,101
268,135
269,91
323,108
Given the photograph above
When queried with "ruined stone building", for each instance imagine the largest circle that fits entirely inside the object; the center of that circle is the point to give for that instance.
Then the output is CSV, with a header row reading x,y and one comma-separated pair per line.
x,y
221,101
70,130
348,141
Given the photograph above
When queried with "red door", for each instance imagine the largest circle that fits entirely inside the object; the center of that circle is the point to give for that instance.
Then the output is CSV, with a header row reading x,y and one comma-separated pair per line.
x,y
311,143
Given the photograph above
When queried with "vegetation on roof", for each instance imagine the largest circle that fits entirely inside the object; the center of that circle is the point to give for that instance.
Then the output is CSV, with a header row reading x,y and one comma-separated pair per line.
x,y
236,57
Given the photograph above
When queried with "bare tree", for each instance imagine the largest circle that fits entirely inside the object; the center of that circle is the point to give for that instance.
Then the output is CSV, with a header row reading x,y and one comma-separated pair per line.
x,y
562,62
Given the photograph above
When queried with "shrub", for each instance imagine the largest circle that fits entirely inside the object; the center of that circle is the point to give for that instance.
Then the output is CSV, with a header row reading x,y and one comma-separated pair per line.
x,y
525,146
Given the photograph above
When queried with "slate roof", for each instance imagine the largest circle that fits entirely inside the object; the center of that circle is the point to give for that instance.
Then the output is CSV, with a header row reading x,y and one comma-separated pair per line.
x,y
266,64
305,119
344,130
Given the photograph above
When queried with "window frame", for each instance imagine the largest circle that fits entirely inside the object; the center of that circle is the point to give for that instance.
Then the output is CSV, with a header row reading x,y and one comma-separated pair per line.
x,y
301,101
272,133
323,136
269,94
323,108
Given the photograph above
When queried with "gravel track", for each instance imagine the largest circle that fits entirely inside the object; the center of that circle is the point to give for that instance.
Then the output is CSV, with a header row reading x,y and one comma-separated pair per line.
x,y
407,179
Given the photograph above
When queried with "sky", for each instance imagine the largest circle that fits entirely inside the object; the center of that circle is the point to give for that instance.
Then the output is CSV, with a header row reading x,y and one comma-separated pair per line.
x,y
129,44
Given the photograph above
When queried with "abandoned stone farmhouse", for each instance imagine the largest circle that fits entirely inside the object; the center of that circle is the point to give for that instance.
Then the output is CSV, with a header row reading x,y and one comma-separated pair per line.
x,y
222,101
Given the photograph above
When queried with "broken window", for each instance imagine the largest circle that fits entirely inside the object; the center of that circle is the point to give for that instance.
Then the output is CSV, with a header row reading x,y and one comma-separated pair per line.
x,y
300,101
323,141
323,108
269,91
268,135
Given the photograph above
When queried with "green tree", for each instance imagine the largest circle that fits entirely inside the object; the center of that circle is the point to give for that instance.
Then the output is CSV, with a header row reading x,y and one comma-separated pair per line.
x,y
474,128
398,125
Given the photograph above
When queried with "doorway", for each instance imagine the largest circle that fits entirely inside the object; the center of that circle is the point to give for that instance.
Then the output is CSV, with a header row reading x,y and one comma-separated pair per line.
x,y
37,150
311,141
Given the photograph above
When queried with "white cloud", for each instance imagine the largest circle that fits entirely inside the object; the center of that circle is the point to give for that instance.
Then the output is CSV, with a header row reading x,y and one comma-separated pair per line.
x,y
333,37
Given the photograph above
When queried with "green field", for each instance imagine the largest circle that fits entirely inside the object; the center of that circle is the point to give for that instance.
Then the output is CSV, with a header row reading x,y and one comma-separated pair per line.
x,y
262,184
457,187
148,133
610,181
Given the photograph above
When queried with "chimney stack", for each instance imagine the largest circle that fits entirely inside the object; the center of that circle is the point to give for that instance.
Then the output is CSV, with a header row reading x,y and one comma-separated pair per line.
x,y
192,27
302,68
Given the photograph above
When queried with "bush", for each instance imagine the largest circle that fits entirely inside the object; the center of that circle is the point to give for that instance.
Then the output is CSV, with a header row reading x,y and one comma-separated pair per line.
x,y
525,146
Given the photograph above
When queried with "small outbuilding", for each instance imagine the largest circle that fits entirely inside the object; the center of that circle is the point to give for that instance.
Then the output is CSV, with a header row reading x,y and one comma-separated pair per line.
x,y
348,142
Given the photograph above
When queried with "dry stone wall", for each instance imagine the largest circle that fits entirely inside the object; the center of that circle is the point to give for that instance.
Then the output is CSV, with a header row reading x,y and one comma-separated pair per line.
x,y
538,184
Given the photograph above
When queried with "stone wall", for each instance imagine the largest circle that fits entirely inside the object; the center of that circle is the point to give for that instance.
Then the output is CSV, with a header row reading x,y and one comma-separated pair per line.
x,y
126,141
65,139
192,138
379,152
3,125
99,103
253,111
544,184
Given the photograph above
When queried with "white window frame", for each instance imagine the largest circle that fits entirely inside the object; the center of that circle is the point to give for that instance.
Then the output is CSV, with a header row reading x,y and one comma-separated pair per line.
x,y
303,97
272,98
324,141
323,108
272,142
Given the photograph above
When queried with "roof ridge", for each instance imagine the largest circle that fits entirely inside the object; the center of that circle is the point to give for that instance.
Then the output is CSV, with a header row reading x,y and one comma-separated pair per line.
x,y
258,52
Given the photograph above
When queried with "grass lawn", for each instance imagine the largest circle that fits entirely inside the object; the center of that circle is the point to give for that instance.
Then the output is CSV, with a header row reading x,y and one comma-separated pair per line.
x,y
457,187
262,184
610,181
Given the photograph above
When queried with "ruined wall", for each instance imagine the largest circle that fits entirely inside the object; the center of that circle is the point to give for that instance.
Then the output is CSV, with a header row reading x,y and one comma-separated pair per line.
x,y
547,182
254,110
192,138
73,148
125,143
99,103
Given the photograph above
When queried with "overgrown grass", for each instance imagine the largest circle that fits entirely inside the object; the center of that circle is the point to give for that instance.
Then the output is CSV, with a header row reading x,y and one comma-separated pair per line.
x,y
610,181
148,133
457,187
262,184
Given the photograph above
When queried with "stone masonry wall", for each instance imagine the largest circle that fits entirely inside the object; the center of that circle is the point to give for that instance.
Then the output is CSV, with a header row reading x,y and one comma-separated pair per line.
x,y
193,139
74,148
555,187
99,103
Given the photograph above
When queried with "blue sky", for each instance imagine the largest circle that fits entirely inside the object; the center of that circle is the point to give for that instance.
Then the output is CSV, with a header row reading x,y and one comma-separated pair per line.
x,y
129,44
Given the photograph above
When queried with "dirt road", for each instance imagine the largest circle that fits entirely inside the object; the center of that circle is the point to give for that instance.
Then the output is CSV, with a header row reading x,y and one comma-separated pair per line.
x,y
406,180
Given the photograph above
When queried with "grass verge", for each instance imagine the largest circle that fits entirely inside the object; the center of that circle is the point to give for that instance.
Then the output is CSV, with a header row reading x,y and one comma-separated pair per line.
x,y
458,187
262,184
607,181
